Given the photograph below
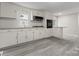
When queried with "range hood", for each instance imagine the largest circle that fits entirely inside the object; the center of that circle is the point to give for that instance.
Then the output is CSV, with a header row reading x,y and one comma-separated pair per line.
x,y
37,18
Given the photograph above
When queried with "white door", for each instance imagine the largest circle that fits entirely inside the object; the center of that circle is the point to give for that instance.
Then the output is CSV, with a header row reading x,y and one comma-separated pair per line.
x,y
7,38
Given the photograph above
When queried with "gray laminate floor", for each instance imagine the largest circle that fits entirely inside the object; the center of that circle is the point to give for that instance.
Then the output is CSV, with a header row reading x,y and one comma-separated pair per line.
x,y
45,47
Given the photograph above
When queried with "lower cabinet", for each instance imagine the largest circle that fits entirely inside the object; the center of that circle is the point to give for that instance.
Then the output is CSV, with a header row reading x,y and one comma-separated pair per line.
x,y
13,37
25,36
8,38
36,34
42,33
58,32
48,32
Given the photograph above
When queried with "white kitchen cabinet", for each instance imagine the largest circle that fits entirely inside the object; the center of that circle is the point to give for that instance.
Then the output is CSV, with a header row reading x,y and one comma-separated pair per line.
x,y
30,35
55,21
36,34
42,33
25,36
8,9
21,36
37,13
8,38
48,15
23,13
50,32
47,33
58,32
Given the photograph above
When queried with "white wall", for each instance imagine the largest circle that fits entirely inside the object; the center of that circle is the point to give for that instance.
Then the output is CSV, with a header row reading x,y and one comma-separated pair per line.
x,y
70,24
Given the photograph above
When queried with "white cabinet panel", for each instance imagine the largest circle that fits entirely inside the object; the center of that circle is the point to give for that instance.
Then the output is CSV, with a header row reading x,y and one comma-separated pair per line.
x,y
25,36
47,33
48,15
37,13
58,32
7,38
23,13
36,34
42,33
30,35
8,10
21,36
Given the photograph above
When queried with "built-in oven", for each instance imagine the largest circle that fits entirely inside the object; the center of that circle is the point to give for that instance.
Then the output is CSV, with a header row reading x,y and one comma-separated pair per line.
x,y
49,23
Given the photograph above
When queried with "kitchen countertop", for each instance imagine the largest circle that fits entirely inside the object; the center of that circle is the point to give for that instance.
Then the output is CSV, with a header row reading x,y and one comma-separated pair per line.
x,y
26,28
20,28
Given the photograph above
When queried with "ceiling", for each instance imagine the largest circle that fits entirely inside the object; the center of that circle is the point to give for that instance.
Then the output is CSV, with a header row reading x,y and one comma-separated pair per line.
x,y
50,6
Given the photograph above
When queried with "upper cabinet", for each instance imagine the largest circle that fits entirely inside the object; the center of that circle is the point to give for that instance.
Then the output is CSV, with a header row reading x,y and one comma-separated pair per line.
x,y
11,10
23,13
48,15
8,10
37,13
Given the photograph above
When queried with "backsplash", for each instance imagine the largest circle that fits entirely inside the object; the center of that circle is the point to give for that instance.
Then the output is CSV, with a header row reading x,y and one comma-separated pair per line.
x,y
13,23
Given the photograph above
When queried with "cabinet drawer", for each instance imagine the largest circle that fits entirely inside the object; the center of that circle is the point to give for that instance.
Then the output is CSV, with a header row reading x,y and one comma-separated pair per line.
x,y
7,38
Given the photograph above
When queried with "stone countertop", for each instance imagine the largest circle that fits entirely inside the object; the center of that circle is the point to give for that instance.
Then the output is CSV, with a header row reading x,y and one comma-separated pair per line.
x,y
27,28
20,28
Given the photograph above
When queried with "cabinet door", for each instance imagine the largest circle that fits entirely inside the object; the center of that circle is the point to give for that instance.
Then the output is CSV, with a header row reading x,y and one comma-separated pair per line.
x,y
36,34
25,36
47,33
30,35
42,33
7,38
21,36
48,15
8,10
39,34
37,13
34,12
58,32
